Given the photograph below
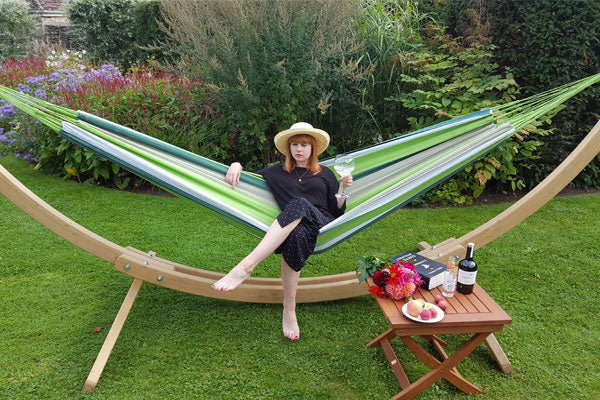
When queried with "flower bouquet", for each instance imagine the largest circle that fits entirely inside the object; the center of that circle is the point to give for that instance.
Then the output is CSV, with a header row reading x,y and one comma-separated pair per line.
x,y
395,281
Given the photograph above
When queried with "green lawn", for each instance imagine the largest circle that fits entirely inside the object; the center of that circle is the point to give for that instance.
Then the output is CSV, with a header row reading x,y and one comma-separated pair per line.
x,y
544,273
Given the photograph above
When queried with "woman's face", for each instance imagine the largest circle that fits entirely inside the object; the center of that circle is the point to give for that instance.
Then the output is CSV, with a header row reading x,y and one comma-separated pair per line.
x,y
300,150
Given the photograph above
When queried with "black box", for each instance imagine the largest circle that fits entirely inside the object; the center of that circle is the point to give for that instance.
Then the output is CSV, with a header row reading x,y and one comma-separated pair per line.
x,y
432,272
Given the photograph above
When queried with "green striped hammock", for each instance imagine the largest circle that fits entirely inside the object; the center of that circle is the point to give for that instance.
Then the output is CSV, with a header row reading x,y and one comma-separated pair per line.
x,y
387,175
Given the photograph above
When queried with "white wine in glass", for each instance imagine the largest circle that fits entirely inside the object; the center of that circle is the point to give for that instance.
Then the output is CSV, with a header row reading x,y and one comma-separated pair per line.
x,y
344,165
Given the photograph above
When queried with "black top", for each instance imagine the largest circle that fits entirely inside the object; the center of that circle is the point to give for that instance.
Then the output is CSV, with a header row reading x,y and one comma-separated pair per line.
x,y
319,189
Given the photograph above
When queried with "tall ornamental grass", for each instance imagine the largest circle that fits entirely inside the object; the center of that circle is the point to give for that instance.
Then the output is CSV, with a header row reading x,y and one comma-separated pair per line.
x,y
268,64
388,29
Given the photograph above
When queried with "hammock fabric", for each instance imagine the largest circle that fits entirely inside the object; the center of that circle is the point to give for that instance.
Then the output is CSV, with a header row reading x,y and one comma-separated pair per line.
x,y
387,175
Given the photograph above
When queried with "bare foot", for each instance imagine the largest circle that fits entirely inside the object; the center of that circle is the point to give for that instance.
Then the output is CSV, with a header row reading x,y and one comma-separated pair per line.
x,y
290,325
233,279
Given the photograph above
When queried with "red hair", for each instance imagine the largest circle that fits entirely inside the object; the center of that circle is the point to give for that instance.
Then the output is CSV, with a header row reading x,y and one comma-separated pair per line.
x,y
313,161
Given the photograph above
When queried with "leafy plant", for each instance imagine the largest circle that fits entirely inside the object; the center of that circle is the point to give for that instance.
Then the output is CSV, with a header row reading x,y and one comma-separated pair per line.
x,y
146,31
267,63
547,44
16,29
105,28
159,104
366,266
453,77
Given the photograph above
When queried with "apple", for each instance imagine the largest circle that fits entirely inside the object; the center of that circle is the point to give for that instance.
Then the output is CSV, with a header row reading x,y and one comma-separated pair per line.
x,y
443,304
438,298
434,312
425,315
414,308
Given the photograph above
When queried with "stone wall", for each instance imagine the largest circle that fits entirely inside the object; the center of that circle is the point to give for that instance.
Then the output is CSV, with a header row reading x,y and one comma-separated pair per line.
x,y
60,34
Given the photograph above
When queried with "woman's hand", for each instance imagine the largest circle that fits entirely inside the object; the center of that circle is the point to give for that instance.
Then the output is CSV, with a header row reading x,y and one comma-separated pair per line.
x,y
233,174
345,181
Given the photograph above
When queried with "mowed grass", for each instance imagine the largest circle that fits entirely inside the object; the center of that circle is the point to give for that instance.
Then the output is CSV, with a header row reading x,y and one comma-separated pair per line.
x,y
544,273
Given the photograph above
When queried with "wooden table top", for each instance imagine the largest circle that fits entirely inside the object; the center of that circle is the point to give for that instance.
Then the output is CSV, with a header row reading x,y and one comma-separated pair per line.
x,y
476,312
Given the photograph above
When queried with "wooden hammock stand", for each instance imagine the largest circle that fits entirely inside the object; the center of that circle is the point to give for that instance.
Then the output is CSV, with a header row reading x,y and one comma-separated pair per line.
x,y
145,266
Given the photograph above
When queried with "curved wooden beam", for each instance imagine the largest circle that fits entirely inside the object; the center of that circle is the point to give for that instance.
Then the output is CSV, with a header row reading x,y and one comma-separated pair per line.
x,y
58,223
147,267
169,274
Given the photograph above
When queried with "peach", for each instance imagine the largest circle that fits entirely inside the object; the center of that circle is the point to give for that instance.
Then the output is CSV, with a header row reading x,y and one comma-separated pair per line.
x,y
443,304
434,312
438,298
425,315
414,308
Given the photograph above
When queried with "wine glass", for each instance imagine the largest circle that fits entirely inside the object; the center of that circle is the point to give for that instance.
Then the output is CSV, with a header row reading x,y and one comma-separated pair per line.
x,y
344,165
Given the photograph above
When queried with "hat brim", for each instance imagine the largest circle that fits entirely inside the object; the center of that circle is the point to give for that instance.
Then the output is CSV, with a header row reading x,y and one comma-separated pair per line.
x,y
321,137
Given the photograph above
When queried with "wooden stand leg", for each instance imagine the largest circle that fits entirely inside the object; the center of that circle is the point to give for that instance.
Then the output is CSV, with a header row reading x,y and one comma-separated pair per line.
x,y
499,355
111,338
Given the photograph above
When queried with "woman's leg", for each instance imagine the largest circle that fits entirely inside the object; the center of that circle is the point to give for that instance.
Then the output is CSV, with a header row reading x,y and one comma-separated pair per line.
x,y
272,240
289,279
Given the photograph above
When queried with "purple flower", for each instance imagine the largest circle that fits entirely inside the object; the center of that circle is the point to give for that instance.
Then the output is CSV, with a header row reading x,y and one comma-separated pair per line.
x,y
40,94
3,138
23,88
18,155
6,110
35,80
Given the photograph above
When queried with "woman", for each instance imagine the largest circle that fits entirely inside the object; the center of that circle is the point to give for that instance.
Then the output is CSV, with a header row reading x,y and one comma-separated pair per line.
x,y
305,191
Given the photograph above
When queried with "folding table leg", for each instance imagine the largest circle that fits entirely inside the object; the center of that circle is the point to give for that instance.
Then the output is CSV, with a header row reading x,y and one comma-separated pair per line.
x,y
438,344
440,370
395,363
389,334
111,338
383,340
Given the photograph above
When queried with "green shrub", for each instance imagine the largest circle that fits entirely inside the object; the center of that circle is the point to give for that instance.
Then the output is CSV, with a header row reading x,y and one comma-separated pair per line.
x,y
548,43
453,77
146,31
123,32
269,64
16,29
105,29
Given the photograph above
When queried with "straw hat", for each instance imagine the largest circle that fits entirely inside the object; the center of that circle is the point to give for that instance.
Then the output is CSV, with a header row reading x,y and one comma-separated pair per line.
x,y
302,128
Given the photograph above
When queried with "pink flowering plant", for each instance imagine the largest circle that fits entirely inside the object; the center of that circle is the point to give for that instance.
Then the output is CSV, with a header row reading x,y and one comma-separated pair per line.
x,y
160,104
397,281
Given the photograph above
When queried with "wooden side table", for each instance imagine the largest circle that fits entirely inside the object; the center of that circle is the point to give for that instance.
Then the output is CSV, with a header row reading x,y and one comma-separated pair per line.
x,y
477,314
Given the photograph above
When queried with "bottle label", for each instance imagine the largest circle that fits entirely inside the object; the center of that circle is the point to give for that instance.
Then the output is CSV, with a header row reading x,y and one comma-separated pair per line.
x,y
467,278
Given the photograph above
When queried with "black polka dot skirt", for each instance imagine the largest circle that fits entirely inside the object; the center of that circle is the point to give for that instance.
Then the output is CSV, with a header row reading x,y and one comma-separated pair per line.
x,y
301,242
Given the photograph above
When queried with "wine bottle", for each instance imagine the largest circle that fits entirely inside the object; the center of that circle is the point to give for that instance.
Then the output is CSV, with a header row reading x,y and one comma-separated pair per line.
x,y
467,272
